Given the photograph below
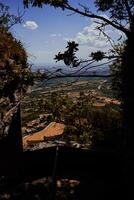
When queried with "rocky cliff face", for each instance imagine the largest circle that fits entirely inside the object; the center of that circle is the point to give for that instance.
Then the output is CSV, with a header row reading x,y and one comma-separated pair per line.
x,y
10,131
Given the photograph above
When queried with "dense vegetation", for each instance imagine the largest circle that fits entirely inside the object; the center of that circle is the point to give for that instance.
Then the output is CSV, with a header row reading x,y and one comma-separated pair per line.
x,y
14,67
86,123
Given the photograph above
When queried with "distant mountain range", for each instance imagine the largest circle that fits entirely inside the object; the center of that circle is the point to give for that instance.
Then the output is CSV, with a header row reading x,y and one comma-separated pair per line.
x,y
101,70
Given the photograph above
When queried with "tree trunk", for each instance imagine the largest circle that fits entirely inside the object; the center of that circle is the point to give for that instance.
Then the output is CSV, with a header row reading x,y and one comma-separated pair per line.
x,y
128,111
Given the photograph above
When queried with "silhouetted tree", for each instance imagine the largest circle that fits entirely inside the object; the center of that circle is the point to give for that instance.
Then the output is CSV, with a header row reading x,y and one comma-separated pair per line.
x,y
8,20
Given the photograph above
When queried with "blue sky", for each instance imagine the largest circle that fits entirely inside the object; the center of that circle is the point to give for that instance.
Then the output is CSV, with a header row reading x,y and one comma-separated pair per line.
x,y
45,31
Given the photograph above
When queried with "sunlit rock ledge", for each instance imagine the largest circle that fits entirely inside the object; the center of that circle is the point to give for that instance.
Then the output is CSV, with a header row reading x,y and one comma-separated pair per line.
x,y
52,130
49,137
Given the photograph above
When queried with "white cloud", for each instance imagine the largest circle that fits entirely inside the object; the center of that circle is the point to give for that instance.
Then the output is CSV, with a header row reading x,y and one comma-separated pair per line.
x,y
90,40
32,25
90,37
55,35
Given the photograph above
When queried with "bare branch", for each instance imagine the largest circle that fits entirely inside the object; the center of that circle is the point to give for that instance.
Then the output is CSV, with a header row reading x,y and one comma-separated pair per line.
x,y
107,36
128,10
79,69
53,75
73,13
94,16
86,9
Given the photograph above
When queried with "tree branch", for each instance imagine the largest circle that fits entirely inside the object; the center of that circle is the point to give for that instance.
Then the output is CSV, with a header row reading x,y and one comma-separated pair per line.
x,y
76,76
119,27
87,67
86,12
128,10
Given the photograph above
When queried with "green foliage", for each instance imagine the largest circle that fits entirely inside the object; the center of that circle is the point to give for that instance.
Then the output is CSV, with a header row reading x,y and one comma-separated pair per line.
x,y
68,56
40,3
58,105
7,20
15,73
84,122
117,71
99,55
104,5
118,9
